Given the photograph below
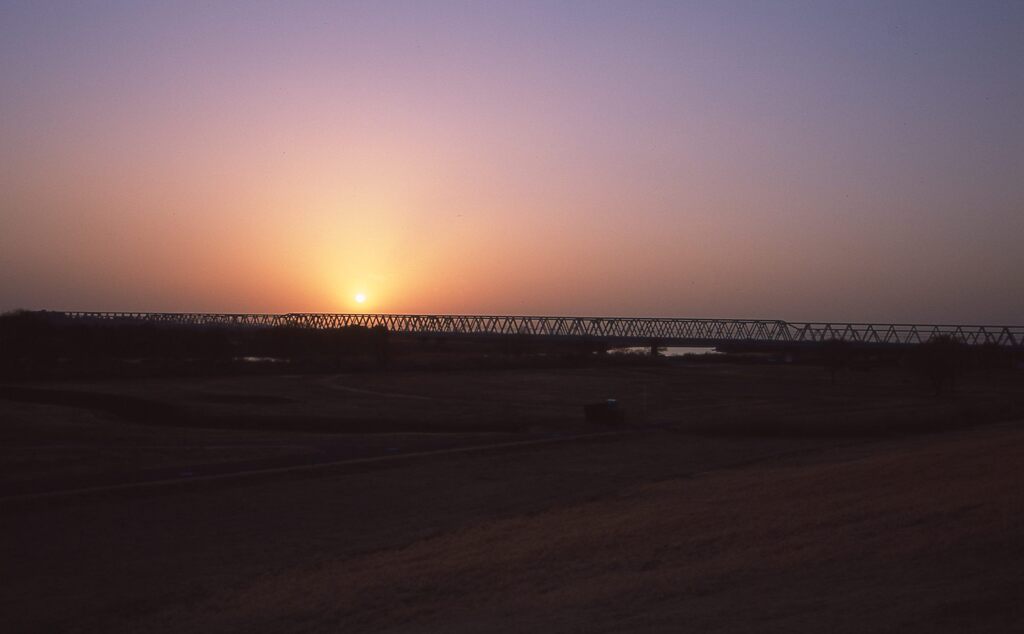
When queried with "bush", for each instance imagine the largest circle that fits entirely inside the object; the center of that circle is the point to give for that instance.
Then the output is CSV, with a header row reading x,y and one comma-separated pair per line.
x,y
940,360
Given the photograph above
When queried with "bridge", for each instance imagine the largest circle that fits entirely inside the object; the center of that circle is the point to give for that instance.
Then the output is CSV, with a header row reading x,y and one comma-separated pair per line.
x,y
616,331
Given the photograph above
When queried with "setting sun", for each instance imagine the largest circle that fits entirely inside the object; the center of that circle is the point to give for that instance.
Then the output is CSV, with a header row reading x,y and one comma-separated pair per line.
x,y
360,298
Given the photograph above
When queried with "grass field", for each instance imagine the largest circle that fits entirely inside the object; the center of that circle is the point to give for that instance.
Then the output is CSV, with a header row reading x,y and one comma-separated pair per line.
x,y
105,430
738,498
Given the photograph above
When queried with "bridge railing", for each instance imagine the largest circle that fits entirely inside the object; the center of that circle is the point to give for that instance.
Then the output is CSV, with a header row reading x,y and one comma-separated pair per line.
x,y
623,330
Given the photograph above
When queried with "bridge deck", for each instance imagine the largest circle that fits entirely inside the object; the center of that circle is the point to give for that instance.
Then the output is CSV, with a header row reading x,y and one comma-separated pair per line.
x,y
616,330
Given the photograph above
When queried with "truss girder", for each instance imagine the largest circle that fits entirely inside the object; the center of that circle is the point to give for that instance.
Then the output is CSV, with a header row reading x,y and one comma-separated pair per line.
x,y
619,330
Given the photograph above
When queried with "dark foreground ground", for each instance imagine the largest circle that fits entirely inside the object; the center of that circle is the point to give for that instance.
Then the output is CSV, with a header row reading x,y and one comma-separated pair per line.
x,y
746,499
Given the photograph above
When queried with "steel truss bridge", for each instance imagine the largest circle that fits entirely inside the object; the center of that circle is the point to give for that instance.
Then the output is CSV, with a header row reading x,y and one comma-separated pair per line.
x,y
623,331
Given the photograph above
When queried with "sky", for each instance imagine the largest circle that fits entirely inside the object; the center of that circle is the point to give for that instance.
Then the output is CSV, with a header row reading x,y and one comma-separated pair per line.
x,y
848,161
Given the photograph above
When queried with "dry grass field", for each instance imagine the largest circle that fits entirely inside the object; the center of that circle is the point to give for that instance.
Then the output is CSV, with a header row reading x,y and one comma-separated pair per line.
x,y
96,432
738,498
911,536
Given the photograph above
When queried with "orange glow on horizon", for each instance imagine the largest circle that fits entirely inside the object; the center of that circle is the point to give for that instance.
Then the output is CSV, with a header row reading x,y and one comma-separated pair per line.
x,y
675,161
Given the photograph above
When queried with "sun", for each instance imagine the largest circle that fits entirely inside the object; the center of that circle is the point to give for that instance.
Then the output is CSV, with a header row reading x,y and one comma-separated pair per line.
x,y
360,298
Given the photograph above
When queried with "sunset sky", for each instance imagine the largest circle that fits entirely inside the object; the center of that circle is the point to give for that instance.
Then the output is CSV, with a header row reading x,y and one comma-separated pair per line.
x,y
791,160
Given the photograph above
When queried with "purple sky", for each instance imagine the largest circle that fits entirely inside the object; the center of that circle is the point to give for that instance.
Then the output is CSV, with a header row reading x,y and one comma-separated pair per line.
x,y
805,161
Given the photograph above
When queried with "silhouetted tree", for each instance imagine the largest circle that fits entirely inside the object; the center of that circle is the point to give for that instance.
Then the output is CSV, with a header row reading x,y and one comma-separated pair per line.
x,y
835,353
991,357
26,341
940,360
